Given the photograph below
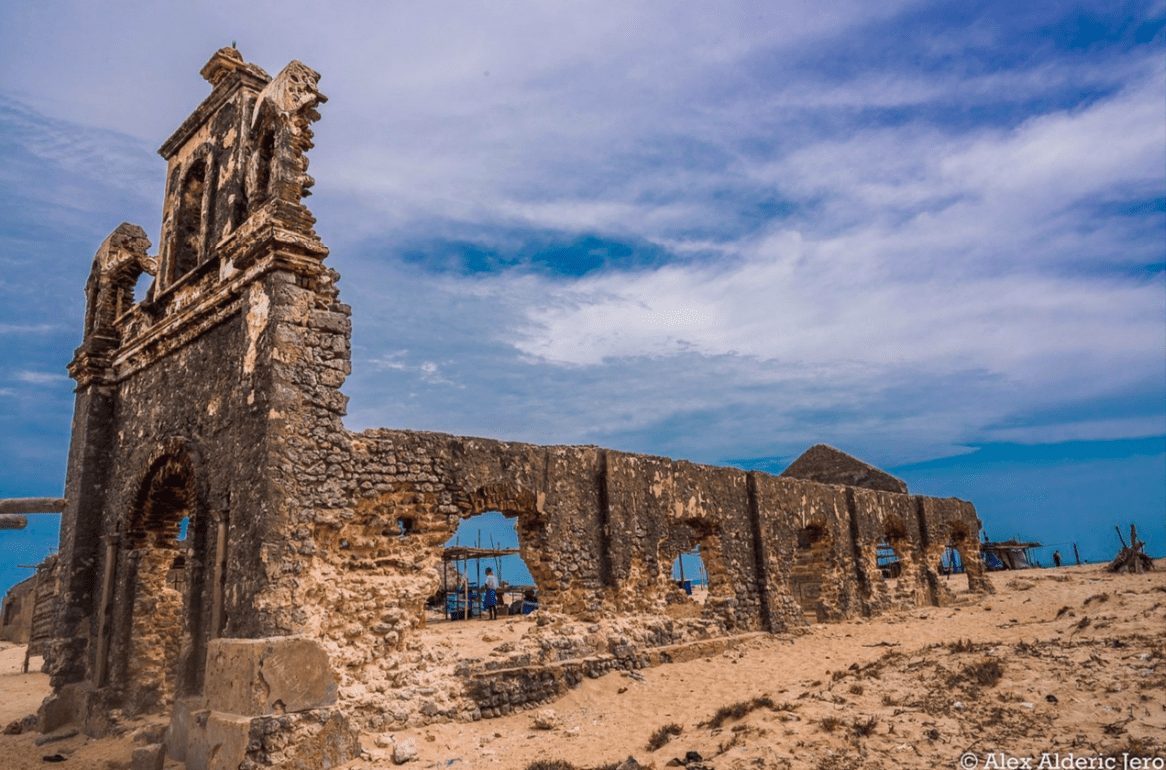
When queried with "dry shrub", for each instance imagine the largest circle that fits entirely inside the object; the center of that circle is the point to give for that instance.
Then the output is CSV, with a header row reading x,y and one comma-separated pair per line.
x,y
1024,648
830,724
1143,748
864,727
962,645
856,689
985,673
663,735
1099,598
559,764
738,710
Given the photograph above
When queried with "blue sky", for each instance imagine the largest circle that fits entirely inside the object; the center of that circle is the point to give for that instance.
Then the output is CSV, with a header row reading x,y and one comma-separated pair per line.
x,y
932,234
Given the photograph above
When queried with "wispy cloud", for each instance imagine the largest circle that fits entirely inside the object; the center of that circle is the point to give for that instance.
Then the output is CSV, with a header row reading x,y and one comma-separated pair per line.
x,y
39,378
15,329
718,232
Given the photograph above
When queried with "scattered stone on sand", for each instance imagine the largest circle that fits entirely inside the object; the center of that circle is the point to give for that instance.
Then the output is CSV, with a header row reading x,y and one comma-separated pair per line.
x,y
404,751
546,719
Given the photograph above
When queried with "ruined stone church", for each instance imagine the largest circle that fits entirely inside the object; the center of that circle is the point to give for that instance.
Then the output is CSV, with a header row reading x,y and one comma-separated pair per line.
x,y
236,562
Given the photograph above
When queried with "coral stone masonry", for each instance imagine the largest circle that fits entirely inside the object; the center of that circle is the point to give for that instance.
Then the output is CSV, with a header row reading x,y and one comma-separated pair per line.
x,y
235,561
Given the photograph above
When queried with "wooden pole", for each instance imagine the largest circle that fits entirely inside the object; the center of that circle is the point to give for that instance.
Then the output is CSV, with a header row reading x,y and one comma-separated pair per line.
x,y
21,505
497,561
466,614
1136,547
1076,554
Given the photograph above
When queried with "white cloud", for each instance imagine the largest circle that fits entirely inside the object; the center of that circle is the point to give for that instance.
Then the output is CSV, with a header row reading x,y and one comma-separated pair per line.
x,y
39,378
946,268
898,257
15,329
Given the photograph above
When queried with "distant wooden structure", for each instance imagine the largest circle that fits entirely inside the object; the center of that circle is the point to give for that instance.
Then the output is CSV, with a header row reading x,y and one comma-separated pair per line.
x,y
465,554
1132,557
1008,554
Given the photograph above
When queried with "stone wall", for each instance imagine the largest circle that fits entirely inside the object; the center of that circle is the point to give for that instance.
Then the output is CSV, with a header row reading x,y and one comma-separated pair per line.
x,y
16,611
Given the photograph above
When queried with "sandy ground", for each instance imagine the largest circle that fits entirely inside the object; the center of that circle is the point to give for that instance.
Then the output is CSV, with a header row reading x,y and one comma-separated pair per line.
x,y
1070,660
20,695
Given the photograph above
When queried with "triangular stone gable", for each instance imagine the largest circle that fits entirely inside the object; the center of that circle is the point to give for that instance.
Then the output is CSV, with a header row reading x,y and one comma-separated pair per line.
x,y
827,465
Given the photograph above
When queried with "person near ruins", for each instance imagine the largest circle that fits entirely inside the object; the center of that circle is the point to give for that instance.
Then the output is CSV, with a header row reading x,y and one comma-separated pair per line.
x,y
490,600
1056,558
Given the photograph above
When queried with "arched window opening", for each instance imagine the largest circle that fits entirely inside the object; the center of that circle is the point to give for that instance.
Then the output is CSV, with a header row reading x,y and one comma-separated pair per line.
x,y
482,555
142,287
887,559
91,292
264,157
690,576
808,574
952,568
188,225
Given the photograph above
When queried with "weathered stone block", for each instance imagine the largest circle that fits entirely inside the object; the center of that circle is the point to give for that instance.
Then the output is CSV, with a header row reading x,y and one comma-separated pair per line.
x,y
187,715
217,741
68,704
150,757
275,675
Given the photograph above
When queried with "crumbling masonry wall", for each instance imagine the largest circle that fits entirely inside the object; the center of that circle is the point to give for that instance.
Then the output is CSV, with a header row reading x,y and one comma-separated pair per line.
x,y
220,516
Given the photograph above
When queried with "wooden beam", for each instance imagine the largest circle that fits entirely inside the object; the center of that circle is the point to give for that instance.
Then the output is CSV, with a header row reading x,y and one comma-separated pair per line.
x,y
32,505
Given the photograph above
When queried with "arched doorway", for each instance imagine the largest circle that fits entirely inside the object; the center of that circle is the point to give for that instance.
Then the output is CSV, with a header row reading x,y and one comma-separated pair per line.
x,y
486,541
166,542
810,568
690,576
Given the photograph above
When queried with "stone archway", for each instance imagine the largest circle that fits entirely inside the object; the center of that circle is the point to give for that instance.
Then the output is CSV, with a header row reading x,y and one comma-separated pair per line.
x,y
894,569
165,549
686,538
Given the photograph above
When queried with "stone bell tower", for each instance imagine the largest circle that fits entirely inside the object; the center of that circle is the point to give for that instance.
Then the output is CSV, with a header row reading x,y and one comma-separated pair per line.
x,y
194,405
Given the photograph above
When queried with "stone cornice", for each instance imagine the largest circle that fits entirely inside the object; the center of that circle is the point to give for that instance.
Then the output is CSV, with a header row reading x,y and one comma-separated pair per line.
x,y
216,306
